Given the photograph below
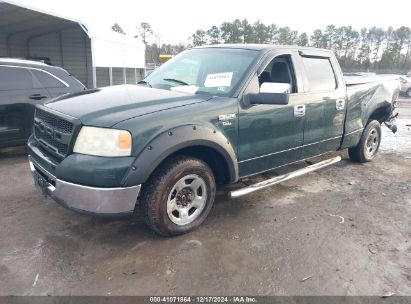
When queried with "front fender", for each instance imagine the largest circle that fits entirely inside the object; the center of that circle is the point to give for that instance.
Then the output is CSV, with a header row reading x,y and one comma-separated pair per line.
x,y
174,140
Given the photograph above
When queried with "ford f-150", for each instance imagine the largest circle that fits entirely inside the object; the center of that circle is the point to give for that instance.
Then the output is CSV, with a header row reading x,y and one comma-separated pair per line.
x,y
210,116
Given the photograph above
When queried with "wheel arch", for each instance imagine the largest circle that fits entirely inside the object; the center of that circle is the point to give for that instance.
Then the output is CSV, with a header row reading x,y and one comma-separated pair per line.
x,y
381,114
207,144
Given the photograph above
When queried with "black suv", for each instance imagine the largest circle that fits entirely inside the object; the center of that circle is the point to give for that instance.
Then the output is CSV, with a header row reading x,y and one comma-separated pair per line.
x,y
23,84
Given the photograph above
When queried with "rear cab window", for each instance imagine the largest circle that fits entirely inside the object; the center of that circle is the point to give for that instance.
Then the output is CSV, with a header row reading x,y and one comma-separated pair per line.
x,y
320,74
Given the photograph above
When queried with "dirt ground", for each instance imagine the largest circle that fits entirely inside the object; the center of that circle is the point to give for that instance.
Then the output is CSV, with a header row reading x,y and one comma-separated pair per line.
x,y
344,230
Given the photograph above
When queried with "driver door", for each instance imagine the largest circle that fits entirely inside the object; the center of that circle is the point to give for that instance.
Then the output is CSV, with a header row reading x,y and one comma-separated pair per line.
x,y
272,135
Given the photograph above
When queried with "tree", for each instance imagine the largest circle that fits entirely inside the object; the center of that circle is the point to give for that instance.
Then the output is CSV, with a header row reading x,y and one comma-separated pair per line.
x,y
117,28
273,31
262,33
365,48
390,51
145,31
214,35
199,38
317,39
371,48
407,57
286,36
377,36
349,42
247,32
402,37
330,35
153,54
172,49
302,39
332,38
231,32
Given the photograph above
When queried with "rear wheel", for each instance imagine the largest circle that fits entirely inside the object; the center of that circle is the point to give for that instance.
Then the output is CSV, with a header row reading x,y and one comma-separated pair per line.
x,y
409,92
369,143
178,196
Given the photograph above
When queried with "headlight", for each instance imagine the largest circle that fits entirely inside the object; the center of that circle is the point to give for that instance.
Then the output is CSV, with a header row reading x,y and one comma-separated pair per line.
x,y
103,142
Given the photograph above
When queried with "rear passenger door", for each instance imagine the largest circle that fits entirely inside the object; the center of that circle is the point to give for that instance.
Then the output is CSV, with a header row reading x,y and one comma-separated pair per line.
x,y
18,97
325,99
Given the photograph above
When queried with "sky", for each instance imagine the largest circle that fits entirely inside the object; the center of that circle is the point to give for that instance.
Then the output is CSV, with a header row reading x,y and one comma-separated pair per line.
x,y
175,21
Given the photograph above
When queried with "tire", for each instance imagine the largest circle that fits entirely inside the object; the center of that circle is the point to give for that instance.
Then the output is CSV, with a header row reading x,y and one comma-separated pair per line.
x,y
178,196
408,93
369,143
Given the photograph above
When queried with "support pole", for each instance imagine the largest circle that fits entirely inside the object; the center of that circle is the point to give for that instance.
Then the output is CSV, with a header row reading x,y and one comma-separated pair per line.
x,y
94,77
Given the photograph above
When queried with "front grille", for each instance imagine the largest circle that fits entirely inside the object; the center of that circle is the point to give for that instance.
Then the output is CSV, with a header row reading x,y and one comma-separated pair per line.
x,y
53,132
48,141
54,121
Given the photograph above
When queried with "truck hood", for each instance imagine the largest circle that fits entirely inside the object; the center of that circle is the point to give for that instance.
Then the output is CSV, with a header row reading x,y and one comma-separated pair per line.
x,y
104,107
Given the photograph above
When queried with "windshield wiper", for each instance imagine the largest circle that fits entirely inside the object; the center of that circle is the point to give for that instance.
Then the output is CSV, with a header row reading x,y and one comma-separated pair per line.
x,y
144,82
176,80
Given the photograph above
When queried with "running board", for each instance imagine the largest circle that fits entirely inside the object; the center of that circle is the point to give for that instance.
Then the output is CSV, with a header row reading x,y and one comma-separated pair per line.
x,y
279,179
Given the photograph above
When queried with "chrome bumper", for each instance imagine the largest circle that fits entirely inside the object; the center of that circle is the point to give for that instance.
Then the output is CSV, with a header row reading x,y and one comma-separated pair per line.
x,y
85,199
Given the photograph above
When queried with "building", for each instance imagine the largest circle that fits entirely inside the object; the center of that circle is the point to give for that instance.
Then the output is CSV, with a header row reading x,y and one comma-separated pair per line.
x,y
97,58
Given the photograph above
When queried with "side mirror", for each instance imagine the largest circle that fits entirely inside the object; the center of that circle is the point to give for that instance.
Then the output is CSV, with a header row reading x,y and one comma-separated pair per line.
x,y
271,93
275,87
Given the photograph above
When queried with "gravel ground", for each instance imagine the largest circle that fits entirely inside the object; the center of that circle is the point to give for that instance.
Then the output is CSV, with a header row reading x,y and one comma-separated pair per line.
x,y
344,230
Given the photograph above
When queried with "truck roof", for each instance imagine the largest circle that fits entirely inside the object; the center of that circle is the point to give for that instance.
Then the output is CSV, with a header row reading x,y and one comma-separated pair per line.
x,y
260,47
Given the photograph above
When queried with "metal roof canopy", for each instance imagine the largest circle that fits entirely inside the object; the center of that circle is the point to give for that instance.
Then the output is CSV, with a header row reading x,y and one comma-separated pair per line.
x,y
69,43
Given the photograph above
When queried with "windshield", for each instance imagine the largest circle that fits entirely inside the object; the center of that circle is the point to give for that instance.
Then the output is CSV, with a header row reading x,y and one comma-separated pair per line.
x,y
209,70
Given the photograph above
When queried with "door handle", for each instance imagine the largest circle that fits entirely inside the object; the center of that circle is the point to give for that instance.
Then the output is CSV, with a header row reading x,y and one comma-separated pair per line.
x,y
37,96
299,110
339,104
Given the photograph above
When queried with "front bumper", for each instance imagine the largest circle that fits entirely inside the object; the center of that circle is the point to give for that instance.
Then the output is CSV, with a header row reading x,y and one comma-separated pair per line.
x,y
101,201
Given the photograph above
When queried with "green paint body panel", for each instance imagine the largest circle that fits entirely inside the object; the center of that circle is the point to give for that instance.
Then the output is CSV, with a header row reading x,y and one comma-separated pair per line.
x,y
93,170
257,138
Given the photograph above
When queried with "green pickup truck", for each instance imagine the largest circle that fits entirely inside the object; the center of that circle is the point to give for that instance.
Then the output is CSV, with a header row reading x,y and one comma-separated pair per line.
x,y
210,116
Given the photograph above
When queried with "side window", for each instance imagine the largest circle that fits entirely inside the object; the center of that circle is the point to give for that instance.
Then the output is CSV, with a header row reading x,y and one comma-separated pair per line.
x,y
12,78
47,80
320,74
279,70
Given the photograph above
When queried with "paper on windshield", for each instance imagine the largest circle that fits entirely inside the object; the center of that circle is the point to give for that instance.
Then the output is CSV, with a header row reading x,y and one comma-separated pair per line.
x,y
218,80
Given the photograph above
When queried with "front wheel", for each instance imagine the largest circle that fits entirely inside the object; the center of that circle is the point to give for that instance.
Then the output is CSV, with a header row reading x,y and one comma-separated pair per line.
x,y
369,143
409,92
178,196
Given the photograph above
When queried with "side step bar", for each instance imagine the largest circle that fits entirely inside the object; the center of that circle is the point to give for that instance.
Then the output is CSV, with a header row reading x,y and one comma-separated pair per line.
x,y
278,179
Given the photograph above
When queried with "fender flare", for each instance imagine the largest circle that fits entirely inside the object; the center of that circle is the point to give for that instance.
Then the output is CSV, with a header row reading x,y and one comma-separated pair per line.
x,y
173,140
385,108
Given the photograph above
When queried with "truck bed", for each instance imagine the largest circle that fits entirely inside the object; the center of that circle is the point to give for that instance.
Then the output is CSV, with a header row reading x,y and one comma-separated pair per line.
x,y
355,79
375,94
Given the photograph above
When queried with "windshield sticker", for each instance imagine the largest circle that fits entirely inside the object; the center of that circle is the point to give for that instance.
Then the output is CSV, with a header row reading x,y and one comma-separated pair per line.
x,y
218,80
